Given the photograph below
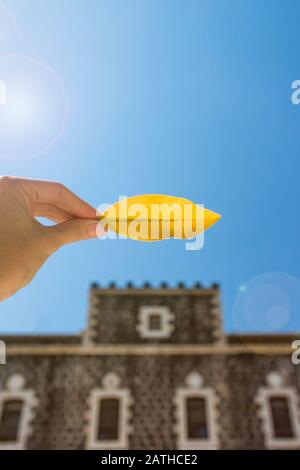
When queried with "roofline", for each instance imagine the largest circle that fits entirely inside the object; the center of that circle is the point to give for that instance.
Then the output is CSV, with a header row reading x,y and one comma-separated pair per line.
x,y
155,291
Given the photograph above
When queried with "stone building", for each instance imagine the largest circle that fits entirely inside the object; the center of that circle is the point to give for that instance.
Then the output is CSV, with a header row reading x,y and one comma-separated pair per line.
x,y
152,370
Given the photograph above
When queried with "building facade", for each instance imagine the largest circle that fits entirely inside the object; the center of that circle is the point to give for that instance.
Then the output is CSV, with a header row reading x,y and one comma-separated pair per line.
x,y
152,370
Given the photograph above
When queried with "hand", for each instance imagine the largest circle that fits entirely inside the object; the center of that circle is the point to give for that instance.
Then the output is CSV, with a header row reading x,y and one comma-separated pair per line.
x,y
25,244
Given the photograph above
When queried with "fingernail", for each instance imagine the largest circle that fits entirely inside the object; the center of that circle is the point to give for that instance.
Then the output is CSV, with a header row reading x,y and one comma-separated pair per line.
x,y
96,230
92,230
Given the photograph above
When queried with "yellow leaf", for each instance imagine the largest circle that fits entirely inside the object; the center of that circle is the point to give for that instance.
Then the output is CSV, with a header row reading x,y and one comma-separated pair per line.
x,y
154,217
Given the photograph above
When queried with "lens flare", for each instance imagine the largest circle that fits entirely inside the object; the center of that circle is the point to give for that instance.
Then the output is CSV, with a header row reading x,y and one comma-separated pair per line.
x,y
268,302
34,107
10,31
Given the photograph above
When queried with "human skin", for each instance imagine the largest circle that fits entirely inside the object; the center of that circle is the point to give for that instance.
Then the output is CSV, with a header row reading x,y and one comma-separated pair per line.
x,y
25,244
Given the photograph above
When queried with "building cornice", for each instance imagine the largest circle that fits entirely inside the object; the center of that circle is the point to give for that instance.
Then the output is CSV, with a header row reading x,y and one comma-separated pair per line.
x,y
148,350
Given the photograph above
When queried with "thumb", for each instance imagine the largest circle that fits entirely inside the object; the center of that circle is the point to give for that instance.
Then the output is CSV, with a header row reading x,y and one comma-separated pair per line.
x,y
74,230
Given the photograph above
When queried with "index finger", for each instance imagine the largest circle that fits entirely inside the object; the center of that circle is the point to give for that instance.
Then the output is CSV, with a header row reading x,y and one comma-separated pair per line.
x,y
49,192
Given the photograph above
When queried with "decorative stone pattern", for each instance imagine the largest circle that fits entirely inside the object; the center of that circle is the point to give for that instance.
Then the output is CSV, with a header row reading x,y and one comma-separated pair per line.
x,y
114,315
63,383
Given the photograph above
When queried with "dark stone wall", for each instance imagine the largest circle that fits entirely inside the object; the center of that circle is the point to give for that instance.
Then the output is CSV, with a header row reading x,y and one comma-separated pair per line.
x,y
63,385
113,318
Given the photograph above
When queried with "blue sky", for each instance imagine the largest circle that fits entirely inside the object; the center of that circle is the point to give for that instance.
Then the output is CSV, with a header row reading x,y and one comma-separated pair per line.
x,y
188,98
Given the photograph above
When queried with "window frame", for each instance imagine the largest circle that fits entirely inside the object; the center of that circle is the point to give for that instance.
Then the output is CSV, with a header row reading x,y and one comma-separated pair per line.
x,y
181,427
110,389
166,317
27,398
265,413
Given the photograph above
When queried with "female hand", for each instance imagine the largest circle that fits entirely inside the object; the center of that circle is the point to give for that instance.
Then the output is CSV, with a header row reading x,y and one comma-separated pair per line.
x,y
25,244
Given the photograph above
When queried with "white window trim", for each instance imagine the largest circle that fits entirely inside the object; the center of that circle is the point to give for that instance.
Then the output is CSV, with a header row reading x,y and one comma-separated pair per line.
x,y
29,400
265,413
110,390
166,316
181,427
